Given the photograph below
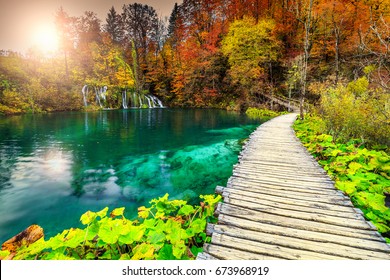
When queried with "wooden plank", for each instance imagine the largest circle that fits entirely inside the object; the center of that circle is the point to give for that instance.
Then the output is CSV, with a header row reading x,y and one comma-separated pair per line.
x,y
282,171
288,174
236,199
292,201
271,162
226,253
226,192
286,187
368,244
284,180
271,168
205,256
327,248
308,216
259,192
255,247
273,219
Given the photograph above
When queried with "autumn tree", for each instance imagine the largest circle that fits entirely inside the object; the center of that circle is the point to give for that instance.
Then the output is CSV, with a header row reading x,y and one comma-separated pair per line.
x,y
251,49
111,70
374,47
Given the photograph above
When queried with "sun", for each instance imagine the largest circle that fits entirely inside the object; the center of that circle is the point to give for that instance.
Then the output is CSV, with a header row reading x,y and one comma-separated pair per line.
x,y
46,39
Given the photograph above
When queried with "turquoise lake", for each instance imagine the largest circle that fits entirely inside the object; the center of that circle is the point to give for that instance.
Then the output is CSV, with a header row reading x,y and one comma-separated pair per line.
x,y
54,167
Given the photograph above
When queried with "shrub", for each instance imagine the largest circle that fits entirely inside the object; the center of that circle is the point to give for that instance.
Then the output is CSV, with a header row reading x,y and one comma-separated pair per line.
x,y
355,111
256,113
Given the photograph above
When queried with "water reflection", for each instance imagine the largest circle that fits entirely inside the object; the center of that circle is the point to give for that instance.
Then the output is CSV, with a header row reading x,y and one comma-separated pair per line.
x,y
55,167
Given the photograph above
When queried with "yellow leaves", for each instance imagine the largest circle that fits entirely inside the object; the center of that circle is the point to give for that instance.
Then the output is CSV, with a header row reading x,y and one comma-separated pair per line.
x,y
143,251
88,217
249,45
143,212
356,111
358,87
353,167
117,212
110,67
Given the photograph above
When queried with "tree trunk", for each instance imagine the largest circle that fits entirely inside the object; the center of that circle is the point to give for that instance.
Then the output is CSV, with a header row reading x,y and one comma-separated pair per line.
x,y
306,54
66,65
337,55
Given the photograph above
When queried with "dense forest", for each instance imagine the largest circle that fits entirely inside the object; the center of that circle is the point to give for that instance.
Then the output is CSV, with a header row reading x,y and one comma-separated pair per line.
x,y
228,54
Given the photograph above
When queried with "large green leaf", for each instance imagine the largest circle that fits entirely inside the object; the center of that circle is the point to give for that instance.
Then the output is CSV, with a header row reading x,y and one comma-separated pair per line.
x,y
347,187
134,234
198,225
88,217
353,167
186,210
155,237
74,238
117,212
143,212
179,248
143,251
110,230
166,253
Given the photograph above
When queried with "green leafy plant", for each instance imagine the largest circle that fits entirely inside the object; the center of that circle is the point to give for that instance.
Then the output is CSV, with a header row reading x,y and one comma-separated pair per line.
x,y
356,110
167,230
361,173
257,113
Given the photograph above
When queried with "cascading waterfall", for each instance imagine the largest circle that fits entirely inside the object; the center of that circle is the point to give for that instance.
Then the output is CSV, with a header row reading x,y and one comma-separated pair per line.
x,y
124,99
157,101
140,100
85,93
148,99
100,93
134,100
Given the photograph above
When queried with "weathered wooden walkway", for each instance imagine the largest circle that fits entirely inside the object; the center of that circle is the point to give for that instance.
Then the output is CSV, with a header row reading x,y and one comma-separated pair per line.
x,y
280,204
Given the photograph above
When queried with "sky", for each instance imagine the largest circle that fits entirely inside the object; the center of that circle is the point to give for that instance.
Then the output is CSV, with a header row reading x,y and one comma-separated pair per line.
x,y
22,22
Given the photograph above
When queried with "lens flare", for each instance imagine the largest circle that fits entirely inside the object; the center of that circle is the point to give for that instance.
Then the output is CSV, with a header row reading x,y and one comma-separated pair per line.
x,y
46,39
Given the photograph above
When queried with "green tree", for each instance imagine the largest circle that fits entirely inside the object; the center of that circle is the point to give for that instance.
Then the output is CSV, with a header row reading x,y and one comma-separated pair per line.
x,y
114,26
251,48
172,21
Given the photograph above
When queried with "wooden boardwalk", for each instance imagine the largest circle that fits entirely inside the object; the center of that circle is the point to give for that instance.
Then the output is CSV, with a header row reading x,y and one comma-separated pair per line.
x,y
280,204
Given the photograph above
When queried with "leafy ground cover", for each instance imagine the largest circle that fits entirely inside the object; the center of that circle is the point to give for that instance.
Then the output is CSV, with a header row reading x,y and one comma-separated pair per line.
x,y
259,113
167,230
361,173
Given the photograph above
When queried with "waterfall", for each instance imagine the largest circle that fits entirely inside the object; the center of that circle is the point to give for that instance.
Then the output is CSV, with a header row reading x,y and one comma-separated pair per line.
x,y
138,101
100,93
157,102
149,103
124,99
98,97
85,93
103,91
135,100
